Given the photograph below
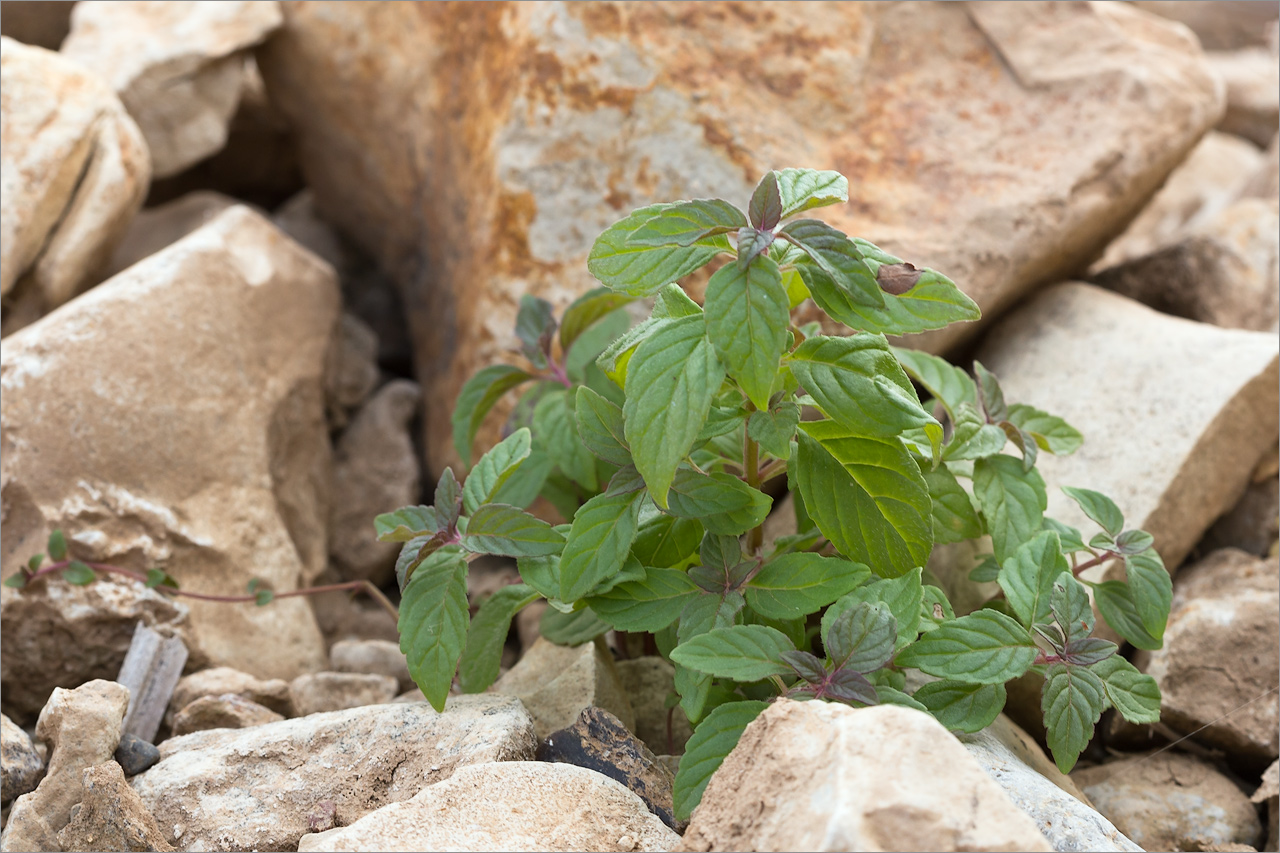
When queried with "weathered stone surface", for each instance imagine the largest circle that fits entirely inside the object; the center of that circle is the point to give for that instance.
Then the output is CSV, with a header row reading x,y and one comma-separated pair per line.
x,y
20,765
170,418
648,681
1171,801
135,754
1175,414
36,621
227,711
74,169
343,616
1253,524
509,806
1269,792
375,470
82,729
111,816
353,370
156,227
1222,651
1220,24
1265,183
270,693
205,792
556,682
317,692
1253,97
179,68
379,657
42,23
821,776
590,110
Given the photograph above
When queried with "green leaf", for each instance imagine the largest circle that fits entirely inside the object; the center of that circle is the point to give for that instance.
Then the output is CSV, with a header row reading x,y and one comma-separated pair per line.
x,y
571,629
1028,576
948,383
433,624
902,595
673,303
765,209
1135,542
886,695
1074,698
599,542
954,518
838,263
1151,589
793,283
1051,433
263,597
494,469
687,222
477,397
586,310
1070,537
650,604
986,571
740,652
708,611
1134,695
1115,603
630,572
724,504
805,189
78,573
600,427
16,581
990,396
57,546
962,706
671,382
861,639
34,562
867,497
580,361
713,740
542,573
1025,443
1012,500
753,244
510,532
746,314
556,430
535,327
774,429
415,551
643,270
1069,604
972,437
1098,507
488,634
1088,650
407,523
932,303
984,647
158,577
665,541
795,585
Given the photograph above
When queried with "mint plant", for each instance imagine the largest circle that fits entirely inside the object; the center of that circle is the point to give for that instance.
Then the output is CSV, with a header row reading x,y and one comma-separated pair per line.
x,y
656,440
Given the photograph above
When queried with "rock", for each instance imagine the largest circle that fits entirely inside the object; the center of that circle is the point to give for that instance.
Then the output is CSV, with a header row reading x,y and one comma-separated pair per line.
x,y
1221,656
227,711
353,370
1214,174
556,682
74,170
36,621
648,681
1265,183
1220,24
82,728
178,67
1253,524
1253,98
318,692
1062,813
20,765
170,418
1171,801
135,755
1268,792
379,657
41,23
343,616
822,776
156,227
593,110
509,806
111,816
270,693
598,741
206,795
375,471
1197,451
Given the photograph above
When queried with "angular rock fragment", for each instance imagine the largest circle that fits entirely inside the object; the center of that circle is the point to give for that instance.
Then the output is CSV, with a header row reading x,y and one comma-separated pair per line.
x,y
227,711
135,754
270,693
111,816
556,682
318,692
156,227
377,657
20,765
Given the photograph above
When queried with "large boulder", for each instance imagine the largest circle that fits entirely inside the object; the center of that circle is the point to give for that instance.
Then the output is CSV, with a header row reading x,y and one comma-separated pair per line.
x,y
170,418
477,150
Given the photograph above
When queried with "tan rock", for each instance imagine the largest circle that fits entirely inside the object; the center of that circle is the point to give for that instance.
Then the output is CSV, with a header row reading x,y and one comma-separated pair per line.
x,y
1253,97
74,169
1171,801
556,682
317,692
514,805
1221,656
218,681
822,776
1269,792
342,616
648,681
591,110
156,227
353,370
178,67
1265,183
82,729
111,816
227,711
41,23
206,795
170,419
379,657
1220,24
21,766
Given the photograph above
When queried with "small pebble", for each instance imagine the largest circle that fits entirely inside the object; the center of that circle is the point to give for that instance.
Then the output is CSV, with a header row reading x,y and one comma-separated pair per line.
x,y
135,755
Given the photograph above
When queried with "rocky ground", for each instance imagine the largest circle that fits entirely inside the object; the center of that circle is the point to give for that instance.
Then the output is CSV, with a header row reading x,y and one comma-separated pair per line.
x,y
249,251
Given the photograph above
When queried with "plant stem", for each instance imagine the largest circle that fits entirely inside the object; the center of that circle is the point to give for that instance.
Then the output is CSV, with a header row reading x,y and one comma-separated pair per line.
x,y
751,464
1096,561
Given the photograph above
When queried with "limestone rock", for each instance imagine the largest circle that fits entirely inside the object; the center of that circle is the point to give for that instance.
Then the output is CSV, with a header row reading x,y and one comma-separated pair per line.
x,y
1253,97
1171,801
822,776
111,816
36,621
42,23
205,792
1175,414
1269,792
156,227
170,418
648,681
1253,524
375,471
379,657
227,711
271,693
20,765
82,728
590,110
1265,183
1220,24
343,616
556,682
514,805
74,169
318,692
353,370
135,754
1220,652
178,67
